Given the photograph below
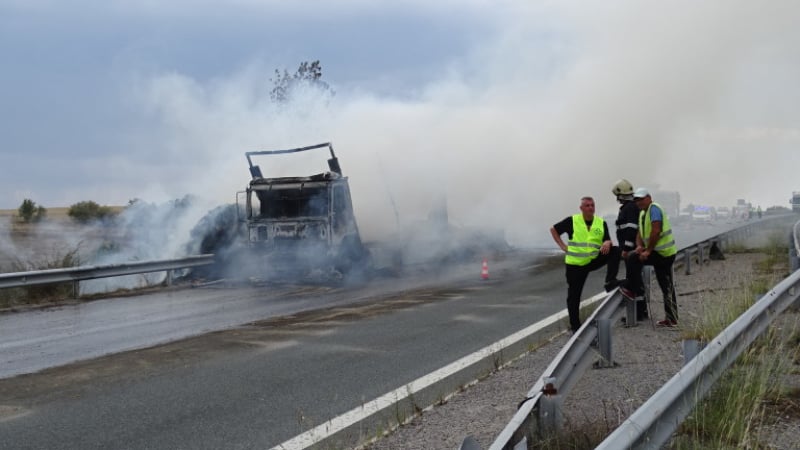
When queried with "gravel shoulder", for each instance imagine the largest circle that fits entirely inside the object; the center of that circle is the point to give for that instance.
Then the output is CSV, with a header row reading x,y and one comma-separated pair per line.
x,y
647,358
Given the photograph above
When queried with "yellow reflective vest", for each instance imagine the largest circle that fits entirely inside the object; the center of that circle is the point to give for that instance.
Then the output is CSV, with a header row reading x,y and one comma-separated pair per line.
x,y
584,246
665,246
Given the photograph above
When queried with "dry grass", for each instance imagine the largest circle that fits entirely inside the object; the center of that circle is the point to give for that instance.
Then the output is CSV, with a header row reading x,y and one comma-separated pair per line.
x,y
752,394
53,243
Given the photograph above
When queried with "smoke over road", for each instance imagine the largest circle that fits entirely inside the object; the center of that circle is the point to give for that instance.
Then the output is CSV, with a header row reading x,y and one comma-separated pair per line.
x,y
569,99
558,101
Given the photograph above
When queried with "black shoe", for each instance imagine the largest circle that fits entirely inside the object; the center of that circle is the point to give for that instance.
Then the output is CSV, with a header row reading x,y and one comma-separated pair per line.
x,y
613,284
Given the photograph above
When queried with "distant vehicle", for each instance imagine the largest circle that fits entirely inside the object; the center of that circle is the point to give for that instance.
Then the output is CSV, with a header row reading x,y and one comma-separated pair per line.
x,y
796,201
742,209
723,213
702,214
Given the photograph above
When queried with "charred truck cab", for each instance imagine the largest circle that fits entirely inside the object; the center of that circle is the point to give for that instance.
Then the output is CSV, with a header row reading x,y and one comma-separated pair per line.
x,y
305,224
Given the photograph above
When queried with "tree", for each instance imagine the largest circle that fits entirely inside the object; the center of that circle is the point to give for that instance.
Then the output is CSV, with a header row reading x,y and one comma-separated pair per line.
x,y
29,212
309,73
87,211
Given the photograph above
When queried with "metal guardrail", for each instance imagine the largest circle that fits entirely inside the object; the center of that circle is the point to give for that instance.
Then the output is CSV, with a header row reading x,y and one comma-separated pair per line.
x,y
75,274
794,248
559,377
539,413
653,424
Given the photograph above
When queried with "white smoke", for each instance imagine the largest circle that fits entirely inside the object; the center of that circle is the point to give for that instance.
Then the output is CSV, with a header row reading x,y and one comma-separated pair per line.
x,y
675,95
566,99
144,232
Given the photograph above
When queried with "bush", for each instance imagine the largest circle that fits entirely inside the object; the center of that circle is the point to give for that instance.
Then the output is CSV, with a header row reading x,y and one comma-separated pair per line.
x,y
28,211
88,211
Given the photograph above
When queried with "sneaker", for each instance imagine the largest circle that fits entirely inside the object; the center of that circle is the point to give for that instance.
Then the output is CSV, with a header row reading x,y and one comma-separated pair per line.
x,y
667,323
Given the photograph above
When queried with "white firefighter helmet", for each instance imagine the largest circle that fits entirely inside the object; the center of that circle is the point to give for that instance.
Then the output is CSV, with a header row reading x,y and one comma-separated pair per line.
x,y
622,187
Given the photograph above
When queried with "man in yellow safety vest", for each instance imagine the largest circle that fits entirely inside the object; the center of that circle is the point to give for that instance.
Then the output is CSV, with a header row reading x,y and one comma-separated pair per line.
x,y
589,247
655,246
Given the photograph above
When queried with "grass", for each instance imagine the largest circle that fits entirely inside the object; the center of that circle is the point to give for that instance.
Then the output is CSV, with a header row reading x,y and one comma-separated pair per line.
x,y
48,249
743,402
750,395
37,294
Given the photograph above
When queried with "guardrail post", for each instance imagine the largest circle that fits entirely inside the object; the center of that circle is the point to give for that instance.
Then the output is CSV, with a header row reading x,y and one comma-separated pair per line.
x,y
647,278
687,261
691,347
76,289
550,416
470,444
700,256
604,344
630,313
168,280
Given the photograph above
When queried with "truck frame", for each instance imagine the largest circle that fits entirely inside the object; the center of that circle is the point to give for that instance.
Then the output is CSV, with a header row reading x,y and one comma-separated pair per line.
x,y
300,224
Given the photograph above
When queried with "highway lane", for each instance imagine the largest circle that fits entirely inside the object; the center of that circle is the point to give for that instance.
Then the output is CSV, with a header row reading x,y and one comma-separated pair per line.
x,y
39,339
259,385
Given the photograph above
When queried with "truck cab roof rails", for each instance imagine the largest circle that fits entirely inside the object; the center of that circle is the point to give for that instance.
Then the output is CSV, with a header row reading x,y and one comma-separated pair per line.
x,y
255,171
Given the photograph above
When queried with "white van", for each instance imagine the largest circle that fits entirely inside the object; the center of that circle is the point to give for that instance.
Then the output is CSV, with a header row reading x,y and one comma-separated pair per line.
x,y
701,216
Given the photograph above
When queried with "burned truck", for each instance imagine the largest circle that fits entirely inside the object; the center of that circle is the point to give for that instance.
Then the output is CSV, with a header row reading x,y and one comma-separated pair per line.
x,y
302,225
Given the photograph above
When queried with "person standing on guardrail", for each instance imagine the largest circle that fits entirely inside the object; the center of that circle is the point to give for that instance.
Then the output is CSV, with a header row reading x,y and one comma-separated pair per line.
x,y
655,246
627,227
589,248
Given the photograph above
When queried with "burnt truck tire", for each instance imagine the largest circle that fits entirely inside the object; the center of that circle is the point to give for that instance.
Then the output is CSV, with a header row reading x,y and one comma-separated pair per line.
x,y
353,257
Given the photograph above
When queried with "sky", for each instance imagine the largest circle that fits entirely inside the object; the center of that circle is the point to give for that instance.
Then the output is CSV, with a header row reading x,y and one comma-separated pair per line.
x,y
512,110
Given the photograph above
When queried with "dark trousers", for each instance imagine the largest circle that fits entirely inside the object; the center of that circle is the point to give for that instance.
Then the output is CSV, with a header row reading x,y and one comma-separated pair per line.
x,y
576,278
662,266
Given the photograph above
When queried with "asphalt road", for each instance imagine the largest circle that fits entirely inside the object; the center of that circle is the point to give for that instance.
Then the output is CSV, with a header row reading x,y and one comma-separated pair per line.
x,y
311,354
257,386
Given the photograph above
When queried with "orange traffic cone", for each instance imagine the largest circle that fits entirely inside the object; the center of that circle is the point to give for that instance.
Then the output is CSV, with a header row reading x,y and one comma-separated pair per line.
x,y
485,270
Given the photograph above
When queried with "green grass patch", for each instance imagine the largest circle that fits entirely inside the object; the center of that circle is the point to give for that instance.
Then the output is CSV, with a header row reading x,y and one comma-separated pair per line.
x,y
750,394
733,412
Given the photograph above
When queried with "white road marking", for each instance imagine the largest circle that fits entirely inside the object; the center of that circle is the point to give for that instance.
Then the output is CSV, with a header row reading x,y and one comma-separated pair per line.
x,y
355,415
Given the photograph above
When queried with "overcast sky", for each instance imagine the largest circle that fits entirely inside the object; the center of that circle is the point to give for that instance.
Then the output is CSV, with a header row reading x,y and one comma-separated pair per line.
x,y
512,109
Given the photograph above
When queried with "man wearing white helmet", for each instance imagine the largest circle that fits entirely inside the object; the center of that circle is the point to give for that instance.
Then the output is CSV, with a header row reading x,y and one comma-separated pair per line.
x,y
655,246
627,226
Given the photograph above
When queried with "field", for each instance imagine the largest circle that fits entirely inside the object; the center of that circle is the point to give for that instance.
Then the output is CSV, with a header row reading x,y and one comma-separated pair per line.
x,y
55,242
53,214
29,246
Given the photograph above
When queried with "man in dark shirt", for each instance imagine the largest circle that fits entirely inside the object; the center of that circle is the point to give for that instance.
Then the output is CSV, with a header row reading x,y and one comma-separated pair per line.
x,y
627,226
589,248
